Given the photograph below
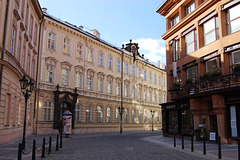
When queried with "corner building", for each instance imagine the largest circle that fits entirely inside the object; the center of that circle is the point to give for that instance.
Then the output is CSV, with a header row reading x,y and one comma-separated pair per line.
x,y
203,49
82,73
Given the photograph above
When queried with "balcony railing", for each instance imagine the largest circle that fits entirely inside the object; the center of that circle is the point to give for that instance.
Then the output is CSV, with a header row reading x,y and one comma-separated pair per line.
x,y
217,83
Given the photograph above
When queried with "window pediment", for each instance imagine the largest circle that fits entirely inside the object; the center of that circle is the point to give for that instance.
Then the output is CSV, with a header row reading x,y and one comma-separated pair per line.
x,y
66,65
51,61
79,68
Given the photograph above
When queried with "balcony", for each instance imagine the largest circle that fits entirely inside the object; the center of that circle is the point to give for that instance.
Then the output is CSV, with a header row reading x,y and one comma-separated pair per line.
x,y
207,86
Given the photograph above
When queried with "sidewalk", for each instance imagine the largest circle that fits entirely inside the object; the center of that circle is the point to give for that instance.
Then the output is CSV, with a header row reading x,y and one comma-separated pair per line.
x,y
229,151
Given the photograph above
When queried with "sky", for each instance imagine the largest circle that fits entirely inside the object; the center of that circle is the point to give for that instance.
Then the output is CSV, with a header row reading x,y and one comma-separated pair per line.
x,y
118,21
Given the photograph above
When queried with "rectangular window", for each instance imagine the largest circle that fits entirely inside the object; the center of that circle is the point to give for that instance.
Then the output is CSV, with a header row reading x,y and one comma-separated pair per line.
x,y
233,19
8,109
176,49
19,49
150,96
79,51
126,90
211,30
89,82
145,75
140,93
145,94
109,63
51,41
28,64
236,57
26,20
118,66
65,76
174,20
88,114
47,111
133,71
66,46
118,89
133,92
192,72
100,59
155,79
13,40
133,116
49,73
117,115
33,68
159,80
126,68
109,116
109,87
233,121
139,72
79,80
159,97
213,65
140,116
78,112
190,8
31,26
126,115
150,77
35,33
191,42
90,55
100,85
155,96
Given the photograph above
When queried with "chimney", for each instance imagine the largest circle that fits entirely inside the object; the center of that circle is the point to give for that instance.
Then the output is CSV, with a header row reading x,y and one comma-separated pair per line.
x,y
44,10
95,33
80,27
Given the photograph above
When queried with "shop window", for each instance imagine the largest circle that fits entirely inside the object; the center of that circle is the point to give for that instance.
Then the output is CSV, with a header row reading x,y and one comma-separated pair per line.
x,y
213,65
233,19
192,72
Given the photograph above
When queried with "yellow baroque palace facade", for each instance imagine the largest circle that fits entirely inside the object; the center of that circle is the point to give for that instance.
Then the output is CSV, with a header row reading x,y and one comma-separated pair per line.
x,y
74,70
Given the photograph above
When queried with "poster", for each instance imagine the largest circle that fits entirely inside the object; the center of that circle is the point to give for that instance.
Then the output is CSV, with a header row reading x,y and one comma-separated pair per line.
x,y
212,136
67,124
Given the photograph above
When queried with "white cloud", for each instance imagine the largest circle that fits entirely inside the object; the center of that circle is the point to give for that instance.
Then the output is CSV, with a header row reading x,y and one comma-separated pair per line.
x,y
153,49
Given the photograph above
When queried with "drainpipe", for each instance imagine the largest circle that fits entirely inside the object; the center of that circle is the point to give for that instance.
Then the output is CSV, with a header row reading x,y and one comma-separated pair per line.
x,y
4,39
37,90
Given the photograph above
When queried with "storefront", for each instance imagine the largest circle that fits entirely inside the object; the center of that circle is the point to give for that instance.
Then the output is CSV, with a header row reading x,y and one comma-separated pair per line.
x,y
177,118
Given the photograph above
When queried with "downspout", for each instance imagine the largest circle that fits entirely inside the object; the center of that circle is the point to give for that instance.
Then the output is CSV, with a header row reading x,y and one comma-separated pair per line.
x,y
4,39
37,90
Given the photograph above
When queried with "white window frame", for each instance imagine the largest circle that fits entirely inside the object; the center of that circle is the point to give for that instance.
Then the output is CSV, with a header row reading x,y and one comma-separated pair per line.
x,y
100,59
51,41
65,77
66,46
47,111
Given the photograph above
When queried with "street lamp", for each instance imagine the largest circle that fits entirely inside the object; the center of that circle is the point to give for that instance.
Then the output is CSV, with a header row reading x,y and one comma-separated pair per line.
x,y
27,88
120,110
152,113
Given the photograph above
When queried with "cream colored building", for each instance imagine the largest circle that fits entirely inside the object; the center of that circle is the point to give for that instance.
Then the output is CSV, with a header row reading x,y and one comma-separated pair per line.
x,y
19,37
88,72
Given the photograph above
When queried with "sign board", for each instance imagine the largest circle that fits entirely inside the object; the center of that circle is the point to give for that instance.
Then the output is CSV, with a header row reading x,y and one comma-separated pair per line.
x,y
67,124
212,136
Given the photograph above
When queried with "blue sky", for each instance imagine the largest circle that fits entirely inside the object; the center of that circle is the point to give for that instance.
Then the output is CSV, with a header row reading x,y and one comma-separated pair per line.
x,y
118,21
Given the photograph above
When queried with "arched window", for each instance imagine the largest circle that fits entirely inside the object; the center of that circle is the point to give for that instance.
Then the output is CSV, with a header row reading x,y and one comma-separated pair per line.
x,y
99,114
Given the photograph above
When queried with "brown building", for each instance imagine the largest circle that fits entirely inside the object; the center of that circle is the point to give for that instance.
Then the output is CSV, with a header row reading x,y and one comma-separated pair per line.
x,y
20,22
202,50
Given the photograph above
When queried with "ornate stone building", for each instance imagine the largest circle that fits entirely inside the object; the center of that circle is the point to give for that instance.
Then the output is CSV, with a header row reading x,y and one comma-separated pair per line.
x,y
81,73
19,38
202,46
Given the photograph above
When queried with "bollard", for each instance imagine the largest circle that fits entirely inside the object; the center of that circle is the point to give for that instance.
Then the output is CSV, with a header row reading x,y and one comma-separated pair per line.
x,y
219,148
238,148
19,151
204,145
174,140
34,150
192,149
57,144
43,148
182,142
50,145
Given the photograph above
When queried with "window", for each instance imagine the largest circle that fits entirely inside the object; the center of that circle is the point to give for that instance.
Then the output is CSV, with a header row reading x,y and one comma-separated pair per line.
x,y
35,33
133,71
192,72
133,116
236,57
155,79
66,46
126,68
49,73
126,90
155,117
79,50
178,78
26,20
145,94
174,20
109,63
90,82
140,116
31,26
90,55
28,63
191,42
79,80
139,73
211,30
140,93
117,115
213,64
145,75
47,111
51,41
190,8
23,56
159,80
110,87
164,82
118,88
176,49
13,40
145,116
19,49
126,115
159,97
155,96
109,116
118,66
19,111
150,96
133,91
160,118
100,84
78,112
8,109
100,59
99,114
33,68
233,19
150,77
88,114
65,76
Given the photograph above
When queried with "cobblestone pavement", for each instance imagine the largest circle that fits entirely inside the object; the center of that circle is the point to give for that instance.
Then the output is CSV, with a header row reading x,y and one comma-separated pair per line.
x,y
113,146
